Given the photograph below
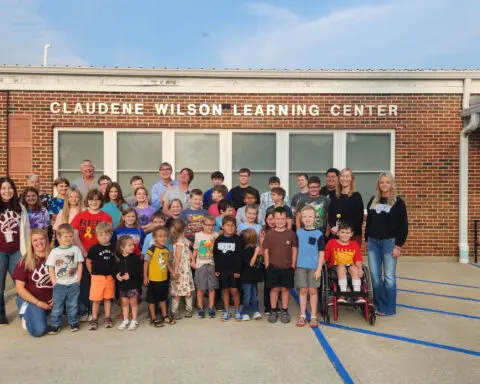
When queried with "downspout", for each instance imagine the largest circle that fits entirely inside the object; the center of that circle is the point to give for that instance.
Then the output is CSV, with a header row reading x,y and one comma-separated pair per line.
x,y
468,127
7,144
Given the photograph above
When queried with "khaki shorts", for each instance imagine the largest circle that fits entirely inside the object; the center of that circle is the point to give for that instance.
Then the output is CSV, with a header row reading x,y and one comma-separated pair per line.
x,y
102,287
304,278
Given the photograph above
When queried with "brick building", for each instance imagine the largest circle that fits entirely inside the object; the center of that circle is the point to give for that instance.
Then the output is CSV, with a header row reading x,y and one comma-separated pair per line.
x,y
127,121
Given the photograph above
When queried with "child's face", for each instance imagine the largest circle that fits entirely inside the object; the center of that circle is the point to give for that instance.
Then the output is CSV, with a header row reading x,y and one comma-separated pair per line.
x,y
31,198
94,204
74,199
228,212
249,199
273,185
113,194
65,239
345,234
160,238
270,221
308,218
280,220
175,208
158,222
196,202
229,228
217,181
141,196
208,226
130,218
251,215
216,196
136,184
128,247
276,198
62,189
104,238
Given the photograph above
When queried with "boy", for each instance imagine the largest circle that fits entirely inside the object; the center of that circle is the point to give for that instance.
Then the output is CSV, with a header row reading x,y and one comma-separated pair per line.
x,y
205,278
219,193
135,182
311,246
225,208
280,255
344,254
278,199
65,267
249,197
156,268
193,216
101,265
266,198
227,256
217,179
238,191
158,220
319,202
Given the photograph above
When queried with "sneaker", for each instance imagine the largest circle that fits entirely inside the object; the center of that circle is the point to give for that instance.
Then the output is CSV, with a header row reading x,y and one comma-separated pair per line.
x,y
273,316
238,315
93,325
84,318
330,302
123,325
108,322
284,316
24,324
133,325
245,318
52,330
359,300
267,311
188,314
313,322
201,313
341,300
74,327
257,316
226,315
212,313
302,321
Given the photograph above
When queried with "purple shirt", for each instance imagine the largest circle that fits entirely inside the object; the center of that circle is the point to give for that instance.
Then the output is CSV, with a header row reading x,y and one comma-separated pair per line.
x,y
145,214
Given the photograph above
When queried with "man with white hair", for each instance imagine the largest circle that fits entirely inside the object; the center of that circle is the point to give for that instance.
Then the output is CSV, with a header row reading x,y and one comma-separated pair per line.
x,y
33,180
87,181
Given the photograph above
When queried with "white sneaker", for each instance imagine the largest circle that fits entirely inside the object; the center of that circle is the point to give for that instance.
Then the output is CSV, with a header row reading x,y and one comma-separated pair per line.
x,y
24,324
245,318
133,325
257,316
123,325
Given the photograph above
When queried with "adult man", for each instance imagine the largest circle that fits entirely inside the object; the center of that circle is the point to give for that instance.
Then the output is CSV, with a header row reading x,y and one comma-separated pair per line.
x,y
180,192
87,181
165,182
238,191
302,184
318,202
103,182
33,181
331,180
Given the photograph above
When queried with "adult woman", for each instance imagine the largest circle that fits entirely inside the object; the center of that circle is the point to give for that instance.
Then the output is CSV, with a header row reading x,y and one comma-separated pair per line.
x,y
33,284
386,232
14,232
347,206
114,203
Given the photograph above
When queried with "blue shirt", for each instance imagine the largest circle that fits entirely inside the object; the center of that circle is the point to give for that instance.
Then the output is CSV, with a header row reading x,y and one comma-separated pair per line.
x,y
310,242
157,191
56,204
218,223
244,226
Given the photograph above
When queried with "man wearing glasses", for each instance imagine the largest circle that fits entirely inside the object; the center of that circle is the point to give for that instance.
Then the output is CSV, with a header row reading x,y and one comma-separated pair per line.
x,y
165,182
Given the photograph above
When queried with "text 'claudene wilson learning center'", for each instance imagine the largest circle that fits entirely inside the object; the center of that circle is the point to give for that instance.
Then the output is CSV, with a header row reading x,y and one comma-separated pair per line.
x,y
420,125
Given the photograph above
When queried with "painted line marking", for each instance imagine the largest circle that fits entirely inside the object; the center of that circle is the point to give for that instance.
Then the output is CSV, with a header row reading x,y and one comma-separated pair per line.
x,y
439,282
332,356
439,295
475,265
405,339
439,311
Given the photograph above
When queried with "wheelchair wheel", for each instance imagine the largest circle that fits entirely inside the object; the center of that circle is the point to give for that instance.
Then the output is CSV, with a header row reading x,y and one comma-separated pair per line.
x,y
372,319
324,291
368,281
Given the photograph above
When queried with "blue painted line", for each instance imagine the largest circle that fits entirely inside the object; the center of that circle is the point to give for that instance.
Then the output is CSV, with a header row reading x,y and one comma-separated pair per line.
x,y
332,356
440,295
439,282
406,339
438,311
475,265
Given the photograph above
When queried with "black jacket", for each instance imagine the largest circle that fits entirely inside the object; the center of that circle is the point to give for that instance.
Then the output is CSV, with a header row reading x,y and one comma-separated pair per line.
x,y
132,264
251,275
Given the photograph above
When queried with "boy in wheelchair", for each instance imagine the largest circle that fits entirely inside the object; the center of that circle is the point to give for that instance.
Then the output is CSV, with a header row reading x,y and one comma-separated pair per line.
x,y
344,255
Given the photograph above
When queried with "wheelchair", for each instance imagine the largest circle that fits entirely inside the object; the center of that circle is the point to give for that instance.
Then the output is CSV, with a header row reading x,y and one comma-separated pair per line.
x,y
330,292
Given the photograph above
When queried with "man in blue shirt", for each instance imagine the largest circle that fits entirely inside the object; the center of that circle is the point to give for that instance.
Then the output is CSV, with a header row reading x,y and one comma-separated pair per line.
x,y
165,182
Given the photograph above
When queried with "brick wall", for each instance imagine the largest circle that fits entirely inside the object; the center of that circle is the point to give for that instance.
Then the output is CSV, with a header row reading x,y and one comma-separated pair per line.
x,y
427,136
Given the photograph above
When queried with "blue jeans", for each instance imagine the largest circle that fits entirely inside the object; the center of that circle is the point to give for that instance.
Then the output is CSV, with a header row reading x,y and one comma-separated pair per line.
x,y
250,299
36,320
65,296
8,262
380,256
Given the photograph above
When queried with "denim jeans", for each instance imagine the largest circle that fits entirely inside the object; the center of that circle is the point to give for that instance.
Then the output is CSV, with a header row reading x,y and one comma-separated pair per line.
x,y
8,262
380,257
65,296
36,320
250,299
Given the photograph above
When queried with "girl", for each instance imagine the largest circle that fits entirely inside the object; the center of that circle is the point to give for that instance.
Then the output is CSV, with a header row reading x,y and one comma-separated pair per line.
x,y
33,284
269,225
252,273
175,207
143,209
346,206
14,235
129,226
251,212
37,215
73,205
386,232
61,185
114,204
129,276
182,283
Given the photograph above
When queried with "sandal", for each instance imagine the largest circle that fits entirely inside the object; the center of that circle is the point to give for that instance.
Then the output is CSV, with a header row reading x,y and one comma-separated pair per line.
x,y
301,322
169,320
157,323
313,322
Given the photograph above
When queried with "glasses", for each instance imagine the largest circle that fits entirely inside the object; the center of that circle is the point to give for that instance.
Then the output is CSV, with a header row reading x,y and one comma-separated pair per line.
x,y
166,169
94,200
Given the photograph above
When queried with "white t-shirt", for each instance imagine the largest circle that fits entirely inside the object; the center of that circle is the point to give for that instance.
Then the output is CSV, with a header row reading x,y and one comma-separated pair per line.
x,y
65,261
204,245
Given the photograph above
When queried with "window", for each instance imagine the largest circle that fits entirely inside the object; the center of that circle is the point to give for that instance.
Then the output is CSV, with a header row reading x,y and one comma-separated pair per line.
x,y
74,147
138,153
257,152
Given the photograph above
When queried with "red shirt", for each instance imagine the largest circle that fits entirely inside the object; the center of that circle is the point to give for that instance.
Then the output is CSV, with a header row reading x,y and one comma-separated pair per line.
x,y
338,254
213,210
38,282
86,222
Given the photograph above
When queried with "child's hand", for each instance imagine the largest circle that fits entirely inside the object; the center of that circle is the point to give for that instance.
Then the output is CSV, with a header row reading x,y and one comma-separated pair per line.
x,y
119,277
126,276
317,274
193,265
217,274
334,230
236,275
360,271
145,281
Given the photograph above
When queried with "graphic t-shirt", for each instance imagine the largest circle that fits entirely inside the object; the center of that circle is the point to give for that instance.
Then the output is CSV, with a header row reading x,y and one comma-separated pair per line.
x,y
145,214
227,254
86,222
103,259
56,204
65,262
310,242
38,282
39,219
279,245
193,218
204,243
339,254
320,204
9,231
136,234
157,263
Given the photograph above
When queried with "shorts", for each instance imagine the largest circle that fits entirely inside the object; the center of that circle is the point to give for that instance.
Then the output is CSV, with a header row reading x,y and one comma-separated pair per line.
x,y
129,293
157,291
304,278
205,278
102,288
228,281
279,277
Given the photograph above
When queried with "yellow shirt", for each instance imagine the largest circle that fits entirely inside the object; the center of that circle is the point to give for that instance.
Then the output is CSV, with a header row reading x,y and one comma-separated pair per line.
x,y
157,263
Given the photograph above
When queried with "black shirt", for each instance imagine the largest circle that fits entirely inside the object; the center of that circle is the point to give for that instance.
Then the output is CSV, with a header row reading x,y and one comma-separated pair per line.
x,y
351,210
326,192
251,275
227,254
132,264
103,259
237,196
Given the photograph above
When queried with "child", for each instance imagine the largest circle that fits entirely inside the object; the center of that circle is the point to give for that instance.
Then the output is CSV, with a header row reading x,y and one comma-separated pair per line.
x,y
249,197
280,252
129,276
251,212
129,226
143,209
205,278
65,267
158,220
101,265
217,179
37,215
311,245
135,182
219,193
193,216
114,204
227,256
266,198
73,204
175,207
344,254
61,185
252,273
278,198
225,208
182,283
155,276
269,225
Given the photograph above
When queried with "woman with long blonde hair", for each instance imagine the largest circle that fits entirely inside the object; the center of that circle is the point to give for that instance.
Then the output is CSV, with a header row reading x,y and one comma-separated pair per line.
x,y
33,284
385,233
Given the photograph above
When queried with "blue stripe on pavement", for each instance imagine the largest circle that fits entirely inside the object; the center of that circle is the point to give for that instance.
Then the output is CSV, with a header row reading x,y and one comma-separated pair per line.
x,y
439,282
439,295
475,265
438,311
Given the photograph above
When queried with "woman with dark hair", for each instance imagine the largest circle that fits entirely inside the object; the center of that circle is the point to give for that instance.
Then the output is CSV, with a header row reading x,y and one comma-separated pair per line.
x,y
114,203
14,232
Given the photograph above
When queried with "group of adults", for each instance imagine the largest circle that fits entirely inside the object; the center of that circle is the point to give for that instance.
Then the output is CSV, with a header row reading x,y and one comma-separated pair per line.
x,y
23,251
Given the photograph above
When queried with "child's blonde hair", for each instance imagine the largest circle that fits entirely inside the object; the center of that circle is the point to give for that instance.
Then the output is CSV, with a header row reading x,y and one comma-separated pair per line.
x,y
104,227
64,228
66,205
177,230
309,208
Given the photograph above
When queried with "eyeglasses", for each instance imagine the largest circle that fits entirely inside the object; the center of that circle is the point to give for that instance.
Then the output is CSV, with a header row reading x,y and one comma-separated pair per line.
x,y
165,169
94,200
